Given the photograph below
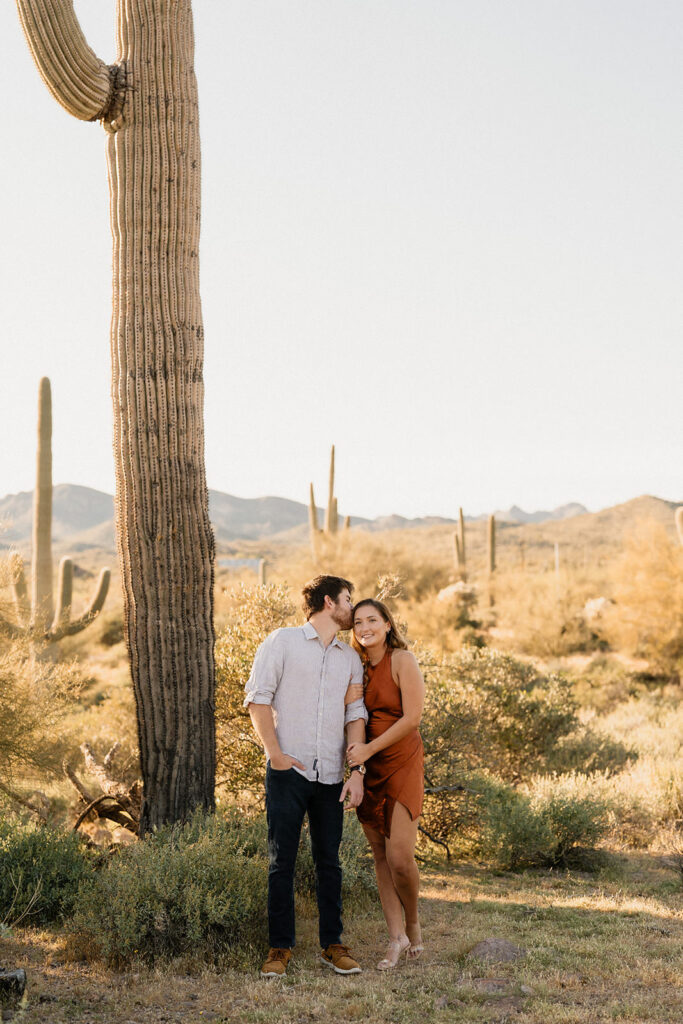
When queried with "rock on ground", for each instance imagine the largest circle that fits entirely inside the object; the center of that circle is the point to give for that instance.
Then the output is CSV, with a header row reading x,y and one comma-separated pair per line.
x,y
496,951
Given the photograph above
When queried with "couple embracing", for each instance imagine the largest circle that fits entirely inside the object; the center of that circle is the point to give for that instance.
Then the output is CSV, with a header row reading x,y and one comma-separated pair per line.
x,y
316,703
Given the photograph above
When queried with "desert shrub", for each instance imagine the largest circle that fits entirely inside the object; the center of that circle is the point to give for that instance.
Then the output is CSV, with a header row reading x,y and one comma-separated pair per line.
x,y
239,756
604,683
194,890
197,890
489,710
589,750
41,870
543,615
647,617
540,825
577,815
35,697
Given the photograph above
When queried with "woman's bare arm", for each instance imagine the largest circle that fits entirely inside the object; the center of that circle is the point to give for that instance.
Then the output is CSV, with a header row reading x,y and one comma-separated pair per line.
x,y
411,684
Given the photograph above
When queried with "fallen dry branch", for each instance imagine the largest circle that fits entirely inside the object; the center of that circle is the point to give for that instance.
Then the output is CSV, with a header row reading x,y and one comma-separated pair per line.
x,y
118,802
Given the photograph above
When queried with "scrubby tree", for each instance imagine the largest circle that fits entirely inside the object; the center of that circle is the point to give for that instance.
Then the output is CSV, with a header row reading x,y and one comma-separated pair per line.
x,y
147,103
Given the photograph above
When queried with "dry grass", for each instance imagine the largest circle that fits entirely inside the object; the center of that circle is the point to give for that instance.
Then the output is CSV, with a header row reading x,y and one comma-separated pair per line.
x,y
599,948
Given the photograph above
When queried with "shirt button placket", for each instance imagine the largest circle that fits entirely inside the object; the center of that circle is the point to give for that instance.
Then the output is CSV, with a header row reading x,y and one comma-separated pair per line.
x,y
321,713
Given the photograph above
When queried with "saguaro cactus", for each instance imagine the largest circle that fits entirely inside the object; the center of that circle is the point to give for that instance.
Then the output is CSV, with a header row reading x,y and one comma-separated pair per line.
x,y
459,548
37,617
491,555
147,102
491,545
331,527
331,516
679,522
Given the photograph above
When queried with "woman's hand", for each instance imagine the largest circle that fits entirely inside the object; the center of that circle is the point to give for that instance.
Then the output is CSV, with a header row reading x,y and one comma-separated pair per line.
x,y
354,692
358,753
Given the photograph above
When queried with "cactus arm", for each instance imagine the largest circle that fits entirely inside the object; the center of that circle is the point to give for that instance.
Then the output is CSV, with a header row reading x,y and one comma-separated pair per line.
x,y
64,596
76,77
41,575
64,627
679,522
20,591
347,523
312,514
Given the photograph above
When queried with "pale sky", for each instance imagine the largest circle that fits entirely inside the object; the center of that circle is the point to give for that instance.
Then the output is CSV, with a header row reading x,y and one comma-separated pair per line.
x,y
445,236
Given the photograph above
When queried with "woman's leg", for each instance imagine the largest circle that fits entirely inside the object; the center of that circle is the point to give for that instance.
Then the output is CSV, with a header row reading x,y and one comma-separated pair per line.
x,y
391,904
400,858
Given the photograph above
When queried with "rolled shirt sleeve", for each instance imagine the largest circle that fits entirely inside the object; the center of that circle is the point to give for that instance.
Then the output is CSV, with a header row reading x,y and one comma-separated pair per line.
x,y
356,709
266,672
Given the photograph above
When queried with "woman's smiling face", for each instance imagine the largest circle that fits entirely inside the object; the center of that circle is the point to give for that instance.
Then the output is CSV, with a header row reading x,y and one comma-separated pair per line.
x,y
369,627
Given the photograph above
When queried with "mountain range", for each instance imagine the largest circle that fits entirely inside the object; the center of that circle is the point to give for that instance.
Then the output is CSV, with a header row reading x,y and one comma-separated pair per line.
x,y
85,517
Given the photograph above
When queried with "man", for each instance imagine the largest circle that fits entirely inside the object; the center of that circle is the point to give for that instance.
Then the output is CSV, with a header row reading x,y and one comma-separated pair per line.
x,y
296,697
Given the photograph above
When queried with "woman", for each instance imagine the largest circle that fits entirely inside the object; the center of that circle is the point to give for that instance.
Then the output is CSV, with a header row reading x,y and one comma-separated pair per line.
x,y
394,786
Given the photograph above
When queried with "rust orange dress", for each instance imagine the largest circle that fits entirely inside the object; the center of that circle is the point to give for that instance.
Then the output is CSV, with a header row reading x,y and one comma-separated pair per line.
x,y
397,772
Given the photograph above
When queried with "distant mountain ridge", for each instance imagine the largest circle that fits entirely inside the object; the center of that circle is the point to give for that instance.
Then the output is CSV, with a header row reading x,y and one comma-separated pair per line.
x,y
85,517
515,514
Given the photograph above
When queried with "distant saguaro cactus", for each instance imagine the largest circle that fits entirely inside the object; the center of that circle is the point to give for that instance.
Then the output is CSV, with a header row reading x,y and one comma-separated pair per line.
x,y
331,527
459,548
679,522
491,555
147,103
37,617
491,545
331,515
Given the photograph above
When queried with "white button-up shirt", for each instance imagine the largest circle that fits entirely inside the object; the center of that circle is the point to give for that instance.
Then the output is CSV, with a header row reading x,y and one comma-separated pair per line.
x,y
306,683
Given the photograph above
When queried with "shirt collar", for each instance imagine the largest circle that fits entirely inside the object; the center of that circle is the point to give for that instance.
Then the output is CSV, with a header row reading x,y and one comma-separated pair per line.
x,y
311,633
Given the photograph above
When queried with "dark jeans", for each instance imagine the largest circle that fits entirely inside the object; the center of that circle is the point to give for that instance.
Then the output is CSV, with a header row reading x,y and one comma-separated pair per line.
x,y
289,796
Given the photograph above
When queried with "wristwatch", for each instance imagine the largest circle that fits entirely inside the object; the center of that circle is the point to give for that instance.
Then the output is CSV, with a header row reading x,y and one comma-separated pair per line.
x,y
359,768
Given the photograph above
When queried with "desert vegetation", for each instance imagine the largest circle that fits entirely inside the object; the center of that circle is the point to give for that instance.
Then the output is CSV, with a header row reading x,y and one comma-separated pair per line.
x,y
553,748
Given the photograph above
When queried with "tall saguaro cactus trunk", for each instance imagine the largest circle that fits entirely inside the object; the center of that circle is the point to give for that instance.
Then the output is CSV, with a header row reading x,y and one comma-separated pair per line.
x,y
41,578
148,103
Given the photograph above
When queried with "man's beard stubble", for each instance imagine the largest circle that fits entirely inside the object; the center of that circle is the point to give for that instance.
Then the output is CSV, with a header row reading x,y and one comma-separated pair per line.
x,y
342,619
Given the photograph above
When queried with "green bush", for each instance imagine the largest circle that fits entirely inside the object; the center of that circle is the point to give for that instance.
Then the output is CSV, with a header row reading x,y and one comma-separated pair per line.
x,y
197,890
495,712
41,870
488,712
540,827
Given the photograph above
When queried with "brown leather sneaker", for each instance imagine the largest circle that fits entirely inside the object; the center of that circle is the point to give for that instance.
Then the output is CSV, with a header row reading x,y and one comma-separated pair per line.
x,y
339,959
276,962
